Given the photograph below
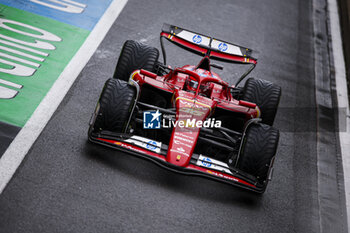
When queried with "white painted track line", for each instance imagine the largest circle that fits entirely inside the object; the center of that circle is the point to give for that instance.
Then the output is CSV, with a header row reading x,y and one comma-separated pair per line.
x,y
20,146
342,94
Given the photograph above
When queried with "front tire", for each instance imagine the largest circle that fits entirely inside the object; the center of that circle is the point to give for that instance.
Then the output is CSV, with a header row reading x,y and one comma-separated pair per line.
x,y
258,151
114,107
134,56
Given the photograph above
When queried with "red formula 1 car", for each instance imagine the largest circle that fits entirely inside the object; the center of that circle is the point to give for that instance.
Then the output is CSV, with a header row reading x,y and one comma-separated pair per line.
x,y
187,119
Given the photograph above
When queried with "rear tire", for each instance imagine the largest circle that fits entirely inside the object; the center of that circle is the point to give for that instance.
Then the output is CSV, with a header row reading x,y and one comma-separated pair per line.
x,y
258,151
114,106
266,95
134,56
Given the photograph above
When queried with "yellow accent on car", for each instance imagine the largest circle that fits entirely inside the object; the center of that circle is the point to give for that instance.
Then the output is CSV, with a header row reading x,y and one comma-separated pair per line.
x,y
133,74
193,101
258,111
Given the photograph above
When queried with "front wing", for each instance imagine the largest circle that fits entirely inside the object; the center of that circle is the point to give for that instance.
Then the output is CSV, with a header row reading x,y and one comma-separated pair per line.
x,y
199,165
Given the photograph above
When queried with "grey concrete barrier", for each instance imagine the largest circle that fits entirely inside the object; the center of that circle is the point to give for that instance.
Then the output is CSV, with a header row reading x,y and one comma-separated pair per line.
x,y
344,12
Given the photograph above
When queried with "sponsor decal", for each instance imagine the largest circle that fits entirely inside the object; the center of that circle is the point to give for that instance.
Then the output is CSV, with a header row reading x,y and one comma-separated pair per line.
x,y
221,175
184,135
197,39
180,152
194,38
225,47
145,143
192,104
152,145
182,143
183,139
222,47
128,147
192,111
204,161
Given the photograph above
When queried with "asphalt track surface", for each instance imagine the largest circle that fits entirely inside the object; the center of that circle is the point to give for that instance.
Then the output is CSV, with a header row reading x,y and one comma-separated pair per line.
x,y
66,184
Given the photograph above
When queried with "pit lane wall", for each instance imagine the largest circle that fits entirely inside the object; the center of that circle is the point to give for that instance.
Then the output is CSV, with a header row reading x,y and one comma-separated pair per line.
x,y
344,11
38,38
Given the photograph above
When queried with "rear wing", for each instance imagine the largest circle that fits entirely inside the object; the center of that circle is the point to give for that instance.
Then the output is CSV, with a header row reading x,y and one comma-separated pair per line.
x,y
201,44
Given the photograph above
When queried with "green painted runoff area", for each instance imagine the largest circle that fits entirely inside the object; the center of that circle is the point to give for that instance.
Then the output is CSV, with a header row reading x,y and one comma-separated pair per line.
x,y
17,110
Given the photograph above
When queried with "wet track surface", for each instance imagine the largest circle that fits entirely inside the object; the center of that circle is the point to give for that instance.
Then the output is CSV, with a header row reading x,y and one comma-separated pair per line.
x,y
66,184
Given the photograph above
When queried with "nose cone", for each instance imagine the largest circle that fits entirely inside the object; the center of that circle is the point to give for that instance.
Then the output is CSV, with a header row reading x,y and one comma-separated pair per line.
x,y
185,132
181,146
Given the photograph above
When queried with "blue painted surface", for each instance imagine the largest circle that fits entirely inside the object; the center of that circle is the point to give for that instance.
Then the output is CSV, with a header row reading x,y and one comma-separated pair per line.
x,y
86,20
